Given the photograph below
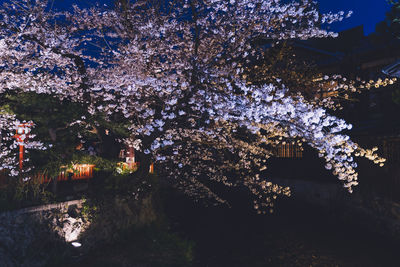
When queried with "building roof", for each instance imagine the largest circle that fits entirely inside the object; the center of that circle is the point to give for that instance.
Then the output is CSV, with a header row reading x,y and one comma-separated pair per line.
x,y
393,70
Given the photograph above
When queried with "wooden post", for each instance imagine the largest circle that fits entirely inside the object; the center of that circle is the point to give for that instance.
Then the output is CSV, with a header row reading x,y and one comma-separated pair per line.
x,y
21,156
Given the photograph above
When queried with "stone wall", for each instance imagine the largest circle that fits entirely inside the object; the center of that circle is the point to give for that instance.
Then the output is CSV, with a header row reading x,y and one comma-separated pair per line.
x,y
38,235
27,236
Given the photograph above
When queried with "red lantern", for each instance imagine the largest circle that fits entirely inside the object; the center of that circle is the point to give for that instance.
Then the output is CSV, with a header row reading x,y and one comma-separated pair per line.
x,y
22,133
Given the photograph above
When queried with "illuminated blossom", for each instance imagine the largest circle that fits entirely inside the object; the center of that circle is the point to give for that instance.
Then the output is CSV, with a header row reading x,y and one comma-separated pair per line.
x,y
176,74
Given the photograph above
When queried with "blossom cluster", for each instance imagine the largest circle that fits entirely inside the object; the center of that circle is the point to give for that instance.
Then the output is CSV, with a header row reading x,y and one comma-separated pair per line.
x,y
175,72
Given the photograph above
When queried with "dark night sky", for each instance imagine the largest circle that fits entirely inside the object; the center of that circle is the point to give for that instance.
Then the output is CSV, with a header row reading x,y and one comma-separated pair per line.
x,y
366,12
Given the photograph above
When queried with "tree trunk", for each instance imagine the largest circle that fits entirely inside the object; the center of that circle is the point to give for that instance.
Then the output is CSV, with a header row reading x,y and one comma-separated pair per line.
x,y
53,134
144,165
54,186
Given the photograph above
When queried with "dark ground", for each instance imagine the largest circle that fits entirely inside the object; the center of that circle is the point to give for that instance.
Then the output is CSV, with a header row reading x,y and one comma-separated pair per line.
x,y
295,235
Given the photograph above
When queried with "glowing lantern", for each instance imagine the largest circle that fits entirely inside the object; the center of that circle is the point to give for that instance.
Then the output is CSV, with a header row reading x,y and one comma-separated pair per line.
x,y
22,133
130,157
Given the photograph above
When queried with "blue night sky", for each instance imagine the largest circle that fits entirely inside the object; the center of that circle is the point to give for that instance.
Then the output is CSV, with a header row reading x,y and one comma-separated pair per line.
x,y
366,12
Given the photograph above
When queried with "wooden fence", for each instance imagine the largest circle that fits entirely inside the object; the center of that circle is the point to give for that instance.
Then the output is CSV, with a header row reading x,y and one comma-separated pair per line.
x,y
288,150
77,172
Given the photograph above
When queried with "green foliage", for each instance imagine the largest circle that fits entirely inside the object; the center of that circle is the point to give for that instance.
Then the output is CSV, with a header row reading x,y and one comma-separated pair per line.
x,y
89,209
133,185
100,162
19,193
52,118
69,129
393,18
388,29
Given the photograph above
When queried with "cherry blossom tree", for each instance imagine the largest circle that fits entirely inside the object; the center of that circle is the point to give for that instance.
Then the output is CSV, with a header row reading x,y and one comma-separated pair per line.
x,y
41,52
178,73
36,55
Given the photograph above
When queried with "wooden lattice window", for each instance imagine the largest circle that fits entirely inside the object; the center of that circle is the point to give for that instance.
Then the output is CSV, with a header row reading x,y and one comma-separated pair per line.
x,y
289,150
